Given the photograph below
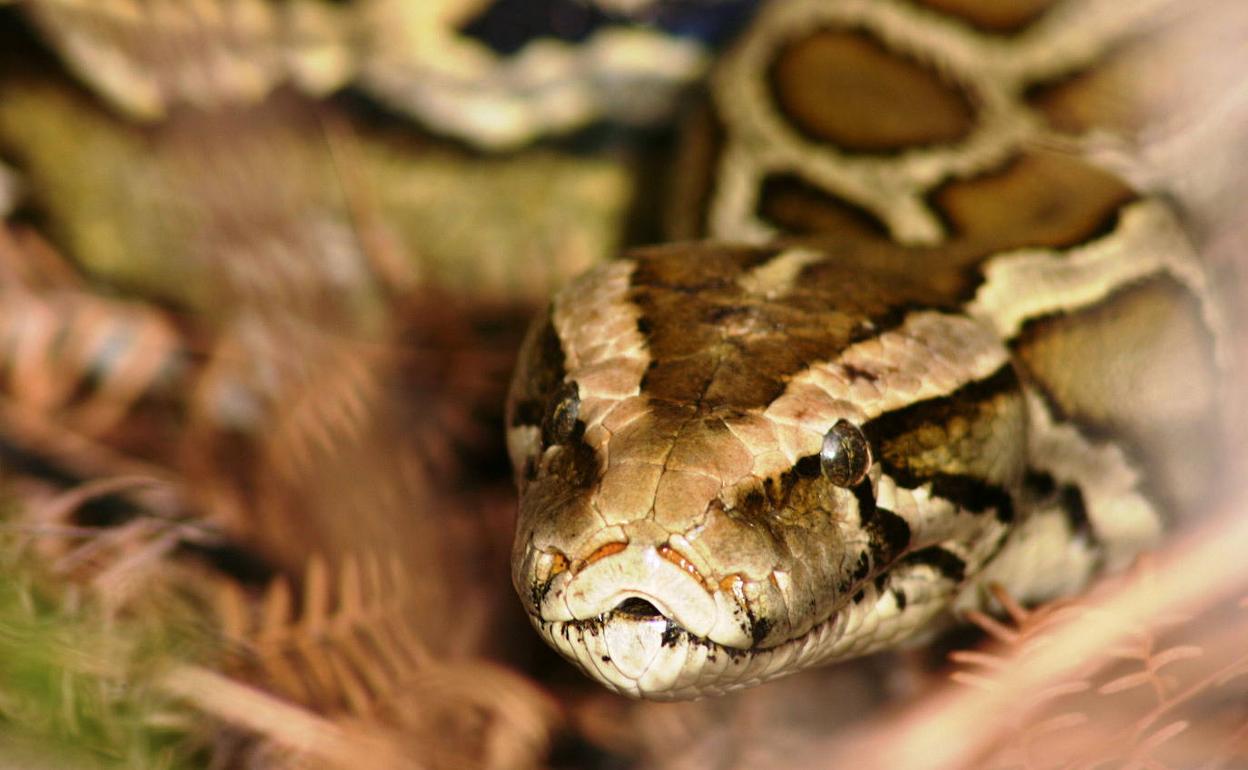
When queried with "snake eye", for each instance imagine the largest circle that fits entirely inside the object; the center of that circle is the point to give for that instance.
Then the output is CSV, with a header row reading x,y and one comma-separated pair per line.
x,y
845,456
559,423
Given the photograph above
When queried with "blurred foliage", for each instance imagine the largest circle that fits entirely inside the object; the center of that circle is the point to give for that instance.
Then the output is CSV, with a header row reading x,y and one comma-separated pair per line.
x,y
297,313
79,684
135,205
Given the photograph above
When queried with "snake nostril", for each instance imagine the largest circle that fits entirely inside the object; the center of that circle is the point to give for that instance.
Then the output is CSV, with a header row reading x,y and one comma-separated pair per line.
x,y
638,608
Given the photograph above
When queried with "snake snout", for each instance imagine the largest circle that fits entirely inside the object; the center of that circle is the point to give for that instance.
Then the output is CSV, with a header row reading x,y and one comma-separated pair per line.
x,y
644,618
640,583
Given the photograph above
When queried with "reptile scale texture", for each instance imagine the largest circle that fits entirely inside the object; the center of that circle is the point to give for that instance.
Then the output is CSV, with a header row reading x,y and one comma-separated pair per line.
x,y
910,338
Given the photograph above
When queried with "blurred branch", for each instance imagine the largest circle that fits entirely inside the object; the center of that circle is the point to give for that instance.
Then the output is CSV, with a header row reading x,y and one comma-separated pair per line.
x,y
72,451
291,726
957,727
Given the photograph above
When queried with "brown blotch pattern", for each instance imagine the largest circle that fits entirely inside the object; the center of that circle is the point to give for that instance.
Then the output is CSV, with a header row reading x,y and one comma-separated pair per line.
x,y
1122,94
997,16
846,89
970,441
1155,380
692,182
1040,199
576,465
718,348
944,561
793,205
539,372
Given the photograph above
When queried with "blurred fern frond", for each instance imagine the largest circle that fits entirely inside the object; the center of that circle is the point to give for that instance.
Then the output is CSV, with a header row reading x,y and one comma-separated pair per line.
x,y
339,647
73,355
1147,670
346,647
76,675
1152,700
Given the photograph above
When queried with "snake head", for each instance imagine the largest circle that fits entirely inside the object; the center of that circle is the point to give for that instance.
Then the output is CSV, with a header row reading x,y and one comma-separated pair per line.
x,y
711,490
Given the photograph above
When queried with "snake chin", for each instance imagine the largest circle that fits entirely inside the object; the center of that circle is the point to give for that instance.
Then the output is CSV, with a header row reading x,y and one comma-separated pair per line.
x,y
636,651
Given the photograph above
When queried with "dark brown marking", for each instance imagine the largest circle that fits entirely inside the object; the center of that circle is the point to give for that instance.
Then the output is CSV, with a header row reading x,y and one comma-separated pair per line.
x,y
1138,366
540,371
758,629
692,182
943,561
974,495
889,537
967,445
888,534
794,205
779,492
754,504
575,464
1043,490
845,88
862,570
718,348
1040,484
854,373
865,496
903,438
808,466
1076,509
996,16
1041,199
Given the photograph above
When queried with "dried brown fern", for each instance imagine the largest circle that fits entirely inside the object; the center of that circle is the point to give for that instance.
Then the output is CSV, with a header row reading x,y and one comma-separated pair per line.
x,y
1137,704
340,649
300,391
276,734
348,648
133,567
70,355
1145,672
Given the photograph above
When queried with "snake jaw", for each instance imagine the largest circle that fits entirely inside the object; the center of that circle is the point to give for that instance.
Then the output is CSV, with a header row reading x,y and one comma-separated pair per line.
x,y
642,622
650,656
636,574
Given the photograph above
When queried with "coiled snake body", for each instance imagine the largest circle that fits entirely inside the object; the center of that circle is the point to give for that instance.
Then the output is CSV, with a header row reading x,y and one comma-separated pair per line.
x,y
949,348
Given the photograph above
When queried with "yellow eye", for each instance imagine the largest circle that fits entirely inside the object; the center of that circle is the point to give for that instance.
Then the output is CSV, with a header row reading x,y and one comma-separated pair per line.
x,y
846,455
559,423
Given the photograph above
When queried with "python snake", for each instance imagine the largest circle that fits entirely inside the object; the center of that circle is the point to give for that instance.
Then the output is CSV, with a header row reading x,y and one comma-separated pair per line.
x,y
932,344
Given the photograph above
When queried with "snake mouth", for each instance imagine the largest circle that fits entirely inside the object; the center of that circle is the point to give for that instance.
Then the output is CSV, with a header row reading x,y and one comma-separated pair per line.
x,y
640,585
645,626
639,608
637,651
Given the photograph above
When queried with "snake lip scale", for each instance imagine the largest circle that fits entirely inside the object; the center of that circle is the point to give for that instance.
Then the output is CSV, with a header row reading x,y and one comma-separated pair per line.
x,y
666,650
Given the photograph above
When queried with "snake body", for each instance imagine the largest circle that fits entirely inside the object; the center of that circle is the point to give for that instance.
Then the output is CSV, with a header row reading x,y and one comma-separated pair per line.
x,y
932,344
